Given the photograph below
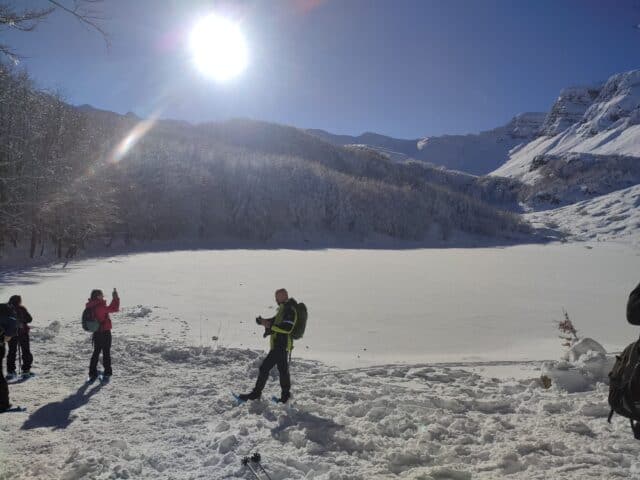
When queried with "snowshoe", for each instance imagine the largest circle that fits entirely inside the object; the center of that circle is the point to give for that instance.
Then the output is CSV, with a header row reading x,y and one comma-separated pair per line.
x,y
11,408
284,398
249,396
239,400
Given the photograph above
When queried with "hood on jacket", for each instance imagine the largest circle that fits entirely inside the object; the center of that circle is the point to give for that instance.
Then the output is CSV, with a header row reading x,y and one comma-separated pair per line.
x,y
95,302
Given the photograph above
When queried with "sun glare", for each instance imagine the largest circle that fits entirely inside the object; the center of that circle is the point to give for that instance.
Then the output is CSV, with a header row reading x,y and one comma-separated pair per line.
x,y
219,48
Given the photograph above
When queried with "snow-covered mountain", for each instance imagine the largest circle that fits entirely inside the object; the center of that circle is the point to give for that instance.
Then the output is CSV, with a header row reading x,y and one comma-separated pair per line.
x,y
606,137
474,153
589,152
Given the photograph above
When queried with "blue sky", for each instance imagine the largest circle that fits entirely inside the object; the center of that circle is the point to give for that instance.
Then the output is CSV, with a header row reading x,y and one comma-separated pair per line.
x,y
406,68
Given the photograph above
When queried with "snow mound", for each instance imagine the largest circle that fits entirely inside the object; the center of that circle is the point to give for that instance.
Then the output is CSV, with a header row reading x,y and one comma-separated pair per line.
x,y
47,333
581,368
139,311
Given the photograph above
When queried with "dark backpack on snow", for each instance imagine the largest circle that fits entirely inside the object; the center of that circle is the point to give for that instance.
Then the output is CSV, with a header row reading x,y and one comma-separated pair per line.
x,y
89,322
301,322
624,387
633,307
8,321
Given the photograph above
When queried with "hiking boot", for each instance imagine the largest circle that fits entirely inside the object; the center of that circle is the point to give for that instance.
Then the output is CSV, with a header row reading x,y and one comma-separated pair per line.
x,y
28,374
284,397
11,376
249,396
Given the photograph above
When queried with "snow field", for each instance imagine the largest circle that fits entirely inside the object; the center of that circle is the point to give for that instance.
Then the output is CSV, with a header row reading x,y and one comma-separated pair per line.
x,y
366,306
168,414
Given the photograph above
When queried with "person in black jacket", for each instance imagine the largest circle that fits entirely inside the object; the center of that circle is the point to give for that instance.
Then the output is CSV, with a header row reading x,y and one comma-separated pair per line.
x,y
22,340
7,330
633,306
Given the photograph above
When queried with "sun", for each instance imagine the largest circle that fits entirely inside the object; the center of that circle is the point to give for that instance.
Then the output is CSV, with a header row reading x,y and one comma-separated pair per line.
x,y
219,48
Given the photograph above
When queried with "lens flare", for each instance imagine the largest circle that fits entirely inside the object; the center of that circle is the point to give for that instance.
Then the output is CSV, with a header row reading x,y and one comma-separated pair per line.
x,y
132,138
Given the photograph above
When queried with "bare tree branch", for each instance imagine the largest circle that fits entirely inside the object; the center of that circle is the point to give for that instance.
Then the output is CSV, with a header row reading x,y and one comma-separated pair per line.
x,y
27,20
86,16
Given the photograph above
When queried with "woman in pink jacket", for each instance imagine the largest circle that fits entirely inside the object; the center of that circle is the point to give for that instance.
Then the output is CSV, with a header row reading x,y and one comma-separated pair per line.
x,y
102,338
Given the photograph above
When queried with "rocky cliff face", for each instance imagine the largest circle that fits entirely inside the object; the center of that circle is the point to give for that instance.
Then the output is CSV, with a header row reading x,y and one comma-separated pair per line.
x,y
569,108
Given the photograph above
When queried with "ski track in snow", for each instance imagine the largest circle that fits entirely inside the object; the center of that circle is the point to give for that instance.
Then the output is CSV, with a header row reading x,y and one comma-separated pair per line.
x,y
168,414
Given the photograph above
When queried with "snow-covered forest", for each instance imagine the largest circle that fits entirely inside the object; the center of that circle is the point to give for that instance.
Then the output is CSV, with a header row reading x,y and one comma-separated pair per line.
x,y
76,176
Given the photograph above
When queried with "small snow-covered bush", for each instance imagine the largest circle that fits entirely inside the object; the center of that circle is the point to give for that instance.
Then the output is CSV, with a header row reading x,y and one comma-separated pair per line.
x,y
583,366
47,333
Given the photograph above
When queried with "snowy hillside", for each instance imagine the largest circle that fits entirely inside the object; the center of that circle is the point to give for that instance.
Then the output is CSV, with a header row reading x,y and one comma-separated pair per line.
x,y
606,217
483,152
114,179
474,153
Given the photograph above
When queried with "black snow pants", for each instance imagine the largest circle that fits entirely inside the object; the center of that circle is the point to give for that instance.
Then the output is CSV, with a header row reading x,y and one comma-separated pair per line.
x,y
4,388
278,356
21,339
101,343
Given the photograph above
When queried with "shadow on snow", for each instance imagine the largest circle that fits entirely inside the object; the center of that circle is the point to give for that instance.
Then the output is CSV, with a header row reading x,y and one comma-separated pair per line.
x,y
57,415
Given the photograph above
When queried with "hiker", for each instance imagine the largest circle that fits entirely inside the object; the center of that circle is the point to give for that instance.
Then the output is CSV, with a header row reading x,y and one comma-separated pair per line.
x,y
102,337
279,330
624,382
8,328
20,340
633,306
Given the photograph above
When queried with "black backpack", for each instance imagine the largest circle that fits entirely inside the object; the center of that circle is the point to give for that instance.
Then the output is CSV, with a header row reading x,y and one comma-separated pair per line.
x,y
89,322
624,387
301,322
8,320
633,307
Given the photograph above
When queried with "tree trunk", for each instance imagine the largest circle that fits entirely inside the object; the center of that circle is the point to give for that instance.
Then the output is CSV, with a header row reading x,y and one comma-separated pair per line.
x,y
34,238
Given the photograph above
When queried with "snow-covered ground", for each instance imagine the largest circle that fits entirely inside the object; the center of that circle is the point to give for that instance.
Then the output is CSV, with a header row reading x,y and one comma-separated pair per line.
x,y
168,413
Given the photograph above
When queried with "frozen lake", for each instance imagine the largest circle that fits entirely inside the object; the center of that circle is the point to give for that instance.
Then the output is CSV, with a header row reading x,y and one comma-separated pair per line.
x,y
366,306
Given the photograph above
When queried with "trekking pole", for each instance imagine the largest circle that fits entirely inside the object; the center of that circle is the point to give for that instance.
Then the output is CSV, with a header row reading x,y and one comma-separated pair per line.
x,y
257,459
19,357
245,462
